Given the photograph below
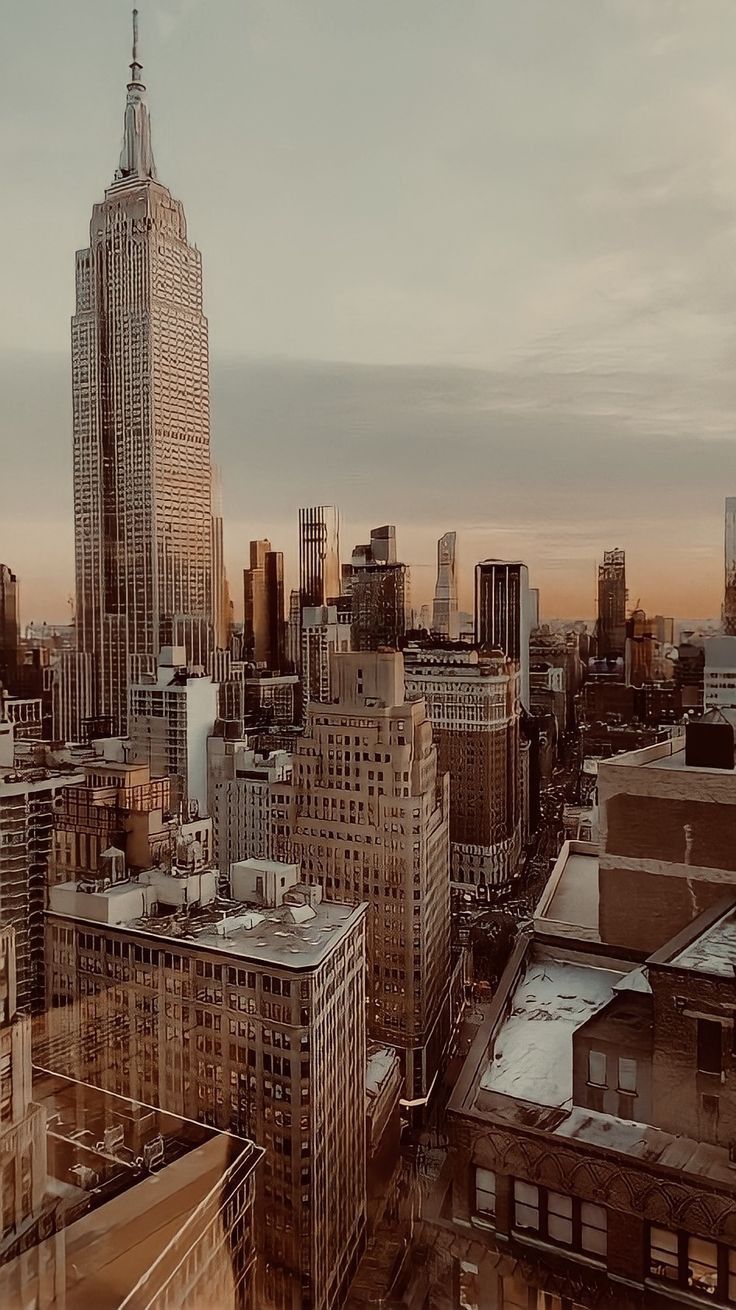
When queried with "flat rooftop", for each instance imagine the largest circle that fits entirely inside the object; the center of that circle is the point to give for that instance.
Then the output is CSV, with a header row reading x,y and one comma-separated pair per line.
x,y
531,1059
575,898
568,905
290,936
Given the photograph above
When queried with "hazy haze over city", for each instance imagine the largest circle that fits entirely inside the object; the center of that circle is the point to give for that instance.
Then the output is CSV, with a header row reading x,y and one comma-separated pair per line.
x,y
465,265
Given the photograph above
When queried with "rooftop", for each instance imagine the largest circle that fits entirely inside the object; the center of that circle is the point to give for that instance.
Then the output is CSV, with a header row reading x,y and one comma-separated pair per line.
x,y
299,934
714,951
531,1057
569,904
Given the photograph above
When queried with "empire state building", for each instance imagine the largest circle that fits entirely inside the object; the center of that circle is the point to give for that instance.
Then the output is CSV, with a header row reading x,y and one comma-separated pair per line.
x,y
144,529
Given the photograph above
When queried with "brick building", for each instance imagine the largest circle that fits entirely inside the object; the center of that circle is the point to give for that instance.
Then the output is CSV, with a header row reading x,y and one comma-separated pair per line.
x,y
593,1126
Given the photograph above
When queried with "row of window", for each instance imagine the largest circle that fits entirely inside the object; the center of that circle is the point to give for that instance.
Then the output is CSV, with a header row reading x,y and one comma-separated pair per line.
x,y
555,1217
704,1267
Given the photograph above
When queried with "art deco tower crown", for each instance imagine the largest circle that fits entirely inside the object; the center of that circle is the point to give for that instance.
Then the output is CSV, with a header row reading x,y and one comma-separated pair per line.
x,y
136,156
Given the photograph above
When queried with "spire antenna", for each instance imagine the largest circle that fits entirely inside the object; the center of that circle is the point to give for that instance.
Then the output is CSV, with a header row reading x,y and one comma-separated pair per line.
x,y
136,65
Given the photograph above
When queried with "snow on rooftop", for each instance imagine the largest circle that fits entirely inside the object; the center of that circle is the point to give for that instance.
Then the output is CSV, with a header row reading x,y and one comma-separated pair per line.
x,y
532,1057
714,951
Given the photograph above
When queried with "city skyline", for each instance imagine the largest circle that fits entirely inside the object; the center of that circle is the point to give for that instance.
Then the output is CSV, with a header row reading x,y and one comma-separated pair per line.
x,y
379,948
655,369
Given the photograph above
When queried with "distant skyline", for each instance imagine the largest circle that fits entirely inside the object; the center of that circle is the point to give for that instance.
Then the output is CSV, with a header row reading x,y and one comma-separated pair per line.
x,y
466,267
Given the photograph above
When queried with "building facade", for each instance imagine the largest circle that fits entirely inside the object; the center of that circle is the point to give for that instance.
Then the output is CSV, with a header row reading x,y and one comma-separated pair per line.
x,y
140,390
729,596
9,624
325,629
319,555
242,806
503,614
367,817
251,1018
591,1129
719,673
612,595
28,799
171,718
379,590
472,700
264,635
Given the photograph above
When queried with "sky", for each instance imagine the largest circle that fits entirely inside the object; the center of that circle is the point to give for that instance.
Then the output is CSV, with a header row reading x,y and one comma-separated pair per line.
x,y
467,265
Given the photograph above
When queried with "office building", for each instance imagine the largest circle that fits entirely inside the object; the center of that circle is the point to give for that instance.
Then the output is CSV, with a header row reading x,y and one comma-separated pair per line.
x,y
367,817
325,629
503,614
445,619
171,717
612,596
378,587
87,1177
719,674
264,636
9,625
143,508
472,700
242,805
28,798
319,555
262,1033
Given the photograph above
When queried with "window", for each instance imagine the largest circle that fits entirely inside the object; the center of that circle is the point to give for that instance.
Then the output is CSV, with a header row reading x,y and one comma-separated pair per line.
x,y
597,1073
663,1254
731,1290
526,1205
485,1193
702,1265
709,1046
593,1228
559,1218
627,1076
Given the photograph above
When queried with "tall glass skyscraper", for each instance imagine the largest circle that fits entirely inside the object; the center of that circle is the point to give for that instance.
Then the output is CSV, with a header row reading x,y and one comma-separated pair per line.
x,y
140,384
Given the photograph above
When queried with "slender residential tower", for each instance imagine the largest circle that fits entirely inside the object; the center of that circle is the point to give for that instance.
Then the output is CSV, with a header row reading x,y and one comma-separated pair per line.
x,y
729,597
140,389
444,610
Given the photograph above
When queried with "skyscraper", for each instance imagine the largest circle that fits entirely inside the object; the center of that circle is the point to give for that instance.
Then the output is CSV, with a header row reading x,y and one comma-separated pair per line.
x,y
140,390
264,634
612,604
729,598
9,624
378,586
472,699
444,610
319,554
502,613
366,815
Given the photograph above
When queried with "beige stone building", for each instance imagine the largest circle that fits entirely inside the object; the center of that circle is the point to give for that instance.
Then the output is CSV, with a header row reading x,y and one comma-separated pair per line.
x,y
366,816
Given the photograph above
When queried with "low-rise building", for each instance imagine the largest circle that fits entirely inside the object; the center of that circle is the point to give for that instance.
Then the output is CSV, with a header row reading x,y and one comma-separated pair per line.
x,y
592,1127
